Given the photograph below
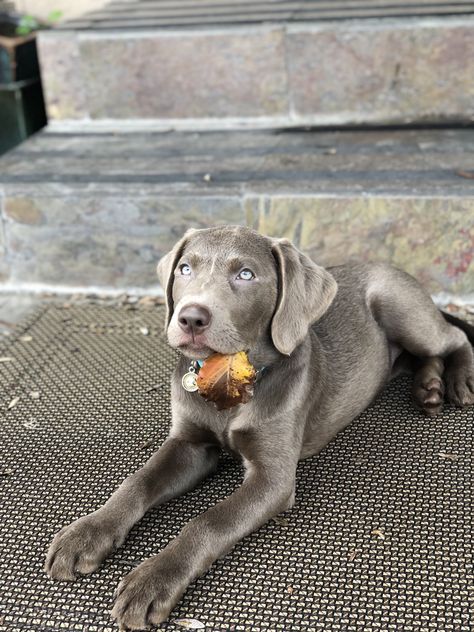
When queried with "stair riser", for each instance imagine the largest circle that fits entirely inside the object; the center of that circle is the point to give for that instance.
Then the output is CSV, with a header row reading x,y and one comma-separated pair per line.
x,y
115,240
338,73
4,265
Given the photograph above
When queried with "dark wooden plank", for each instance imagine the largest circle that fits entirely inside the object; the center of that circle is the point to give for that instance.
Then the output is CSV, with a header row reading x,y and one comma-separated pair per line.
x,y
230,11
169,9
130,4
131,21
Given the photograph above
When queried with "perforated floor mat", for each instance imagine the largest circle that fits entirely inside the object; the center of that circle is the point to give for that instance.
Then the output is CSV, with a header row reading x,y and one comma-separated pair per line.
x,y
380,537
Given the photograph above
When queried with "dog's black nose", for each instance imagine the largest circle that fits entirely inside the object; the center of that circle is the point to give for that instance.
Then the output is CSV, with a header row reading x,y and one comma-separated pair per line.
x,y
194,318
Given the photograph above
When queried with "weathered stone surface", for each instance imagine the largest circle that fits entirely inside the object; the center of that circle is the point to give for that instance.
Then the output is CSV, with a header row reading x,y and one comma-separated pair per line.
x,y
108,242
343,72
141,215
433,239
383,71
82,258
185,75
23,210
4,264
62,77
101,209
222,164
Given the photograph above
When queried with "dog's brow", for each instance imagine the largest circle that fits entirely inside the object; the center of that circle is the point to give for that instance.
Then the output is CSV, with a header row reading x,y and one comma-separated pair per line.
x,y
192,258
240,262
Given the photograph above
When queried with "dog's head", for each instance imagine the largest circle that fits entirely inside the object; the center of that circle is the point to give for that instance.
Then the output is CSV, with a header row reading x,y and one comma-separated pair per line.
x,y
228,289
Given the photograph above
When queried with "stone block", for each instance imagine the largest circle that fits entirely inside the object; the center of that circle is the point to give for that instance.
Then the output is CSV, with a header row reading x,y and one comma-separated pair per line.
x,y
341,72
61,73
187,74
371,71
103,241
4,264
431,238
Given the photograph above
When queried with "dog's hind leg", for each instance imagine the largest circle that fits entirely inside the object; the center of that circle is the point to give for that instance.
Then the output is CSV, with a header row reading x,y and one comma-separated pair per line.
x,y
410,319
459,376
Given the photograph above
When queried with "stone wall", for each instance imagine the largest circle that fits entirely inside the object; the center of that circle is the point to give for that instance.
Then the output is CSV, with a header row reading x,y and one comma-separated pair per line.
x,y
112,241
336,73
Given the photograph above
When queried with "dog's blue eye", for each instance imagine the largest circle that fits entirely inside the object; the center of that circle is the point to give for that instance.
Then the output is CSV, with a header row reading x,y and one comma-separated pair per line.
x,y
185,269
246,275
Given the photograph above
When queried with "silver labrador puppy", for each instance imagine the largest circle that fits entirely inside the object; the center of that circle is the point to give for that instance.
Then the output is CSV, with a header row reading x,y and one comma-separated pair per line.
x,y
329,339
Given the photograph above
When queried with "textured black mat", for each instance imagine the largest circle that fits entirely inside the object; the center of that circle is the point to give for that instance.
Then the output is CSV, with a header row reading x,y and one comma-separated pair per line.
x,y
324,569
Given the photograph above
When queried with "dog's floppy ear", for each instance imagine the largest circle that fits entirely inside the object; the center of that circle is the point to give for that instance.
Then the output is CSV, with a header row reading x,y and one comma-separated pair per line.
x,y
165,270
305,291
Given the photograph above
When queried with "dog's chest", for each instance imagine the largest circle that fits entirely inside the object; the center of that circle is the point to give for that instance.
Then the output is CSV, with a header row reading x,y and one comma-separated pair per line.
x,y
232,430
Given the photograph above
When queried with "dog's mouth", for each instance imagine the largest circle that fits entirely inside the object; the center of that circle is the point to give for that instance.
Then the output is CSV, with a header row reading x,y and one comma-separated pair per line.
x,y
195,351
200,345
195,347
198,348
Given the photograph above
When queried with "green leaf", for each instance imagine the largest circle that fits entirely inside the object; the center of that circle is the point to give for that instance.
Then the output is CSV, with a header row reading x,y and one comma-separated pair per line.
x,y
27,24
55,15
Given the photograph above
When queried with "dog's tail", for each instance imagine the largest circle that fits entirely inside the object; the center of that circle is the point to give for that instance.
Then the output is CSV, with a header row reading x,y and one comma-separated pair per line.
x,y
467,328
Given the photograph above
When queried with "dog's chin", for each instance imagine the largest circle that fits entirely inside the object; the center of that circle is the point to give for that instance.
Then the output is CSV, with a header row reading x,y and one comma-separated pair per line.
x,y
195,351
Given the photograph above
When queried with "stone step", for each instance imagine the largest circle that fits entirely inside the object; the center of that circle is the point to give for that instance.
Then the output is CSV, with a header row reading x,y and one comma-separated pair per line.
x,y
99,210
218,63
181,13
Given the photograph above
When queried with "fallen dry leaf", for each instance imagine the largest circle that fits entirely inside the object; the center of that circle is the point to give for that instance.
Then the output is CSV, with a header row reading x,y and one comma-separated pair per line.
x,y
452,307
283,522
6,359
147,301
31,424
190,624
379,533
290,590
466,174
449,456
352,554
148,443
155,387
226,380
13,403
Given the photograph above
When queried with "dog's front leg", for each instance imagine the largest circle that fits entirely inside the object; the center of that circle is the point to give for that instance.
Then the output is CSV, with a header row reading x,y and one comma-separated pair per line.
x,y
147,595
174,469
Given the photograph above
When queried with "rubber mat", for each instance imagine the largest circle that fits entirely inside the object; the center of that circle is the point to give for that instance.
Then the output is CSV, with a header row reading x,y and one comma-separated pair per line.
x,y
380,537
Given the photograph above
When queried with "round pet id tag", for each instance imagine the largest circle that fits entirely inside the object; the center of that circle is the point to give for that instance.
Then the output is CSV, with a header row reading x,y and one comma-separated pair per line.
x,y
189,380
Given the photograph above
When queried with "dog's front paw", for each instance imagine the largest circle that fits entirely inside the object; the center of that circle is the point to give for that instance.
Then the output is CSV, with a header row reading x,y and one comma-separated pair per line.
x,y
147,595
81,547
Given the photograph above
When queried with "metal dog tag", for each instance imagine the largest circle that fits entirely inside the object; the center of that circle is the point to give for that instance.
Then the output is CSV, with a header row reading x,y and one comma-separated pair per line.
x,y
189,380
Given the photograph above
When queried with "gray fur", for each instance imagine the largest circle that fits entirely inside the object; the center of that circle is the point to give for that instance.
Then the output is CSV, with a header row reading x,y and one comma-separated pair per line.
x,y
330,339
